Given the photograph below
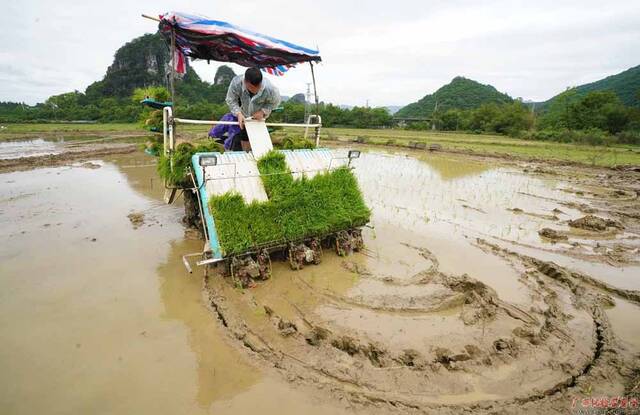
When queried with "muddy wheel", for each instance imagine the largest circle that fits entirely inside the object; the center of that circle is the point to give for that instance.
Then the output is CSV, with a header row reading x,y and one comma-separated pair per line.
x,y
244,270
191,217
231,267
316,247
296,257
356,240
343,243
264,264
224,268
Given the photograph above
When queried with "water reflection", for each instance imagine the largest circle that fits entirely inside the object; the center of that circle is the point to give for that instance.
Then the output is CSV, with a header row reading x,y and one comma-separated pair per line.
x,y
443,196
221,370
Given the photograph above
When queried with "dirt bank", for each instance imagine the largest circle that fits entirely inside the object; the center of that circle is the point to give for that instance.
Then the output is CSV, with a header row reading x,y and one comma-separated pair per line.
x,y
68,155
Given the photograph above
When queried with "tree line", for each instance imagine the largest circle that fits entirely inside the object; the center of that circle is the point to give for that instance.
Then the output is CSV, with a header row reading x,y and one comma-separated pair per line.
x,y
77,106
598,117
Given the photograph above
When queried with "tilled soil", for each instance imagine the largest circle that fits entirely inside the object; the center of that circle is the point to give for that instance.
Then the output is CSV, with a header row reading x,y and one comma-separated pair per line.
x,y
483,289
392,330
464,348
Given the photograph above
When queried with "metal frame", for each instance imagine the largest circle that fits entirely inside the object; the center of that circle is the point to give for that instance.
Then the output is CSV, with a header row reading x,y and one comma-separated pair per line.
x,y
169,122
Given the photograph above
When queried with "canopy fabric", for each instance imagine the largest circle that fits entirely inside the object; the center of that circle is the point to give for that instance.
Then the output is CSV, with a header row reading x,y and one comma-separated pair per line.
x,y
202,38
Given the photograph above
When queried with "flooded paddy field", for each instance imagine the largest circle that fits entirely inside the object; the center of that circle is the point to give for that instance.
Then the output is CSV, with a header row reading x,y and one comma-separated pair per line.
x,y
485,286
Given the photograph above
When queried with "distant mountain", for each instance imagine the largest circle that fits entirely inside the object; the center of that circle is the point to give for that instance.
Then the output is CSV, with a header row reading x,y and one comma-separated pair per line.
x,y
298,98
460,93
223,76
145,62
625,84
140,63
393,108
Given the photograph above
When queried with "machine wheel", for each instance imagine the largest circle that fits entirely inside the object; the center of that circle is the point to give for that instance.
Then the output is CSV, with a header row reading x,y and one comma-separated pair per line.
x,y
348,242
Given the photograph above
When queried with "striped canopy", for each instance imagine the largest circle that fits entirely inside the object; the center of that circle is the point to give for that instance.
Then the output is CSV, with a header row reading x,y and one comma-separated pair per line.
x,y
201,38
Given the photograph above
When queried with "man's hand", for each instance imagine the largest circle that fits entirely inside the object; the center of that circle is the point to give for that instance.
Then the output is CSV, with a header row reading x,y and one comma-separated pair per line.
x,y
258,115
241,120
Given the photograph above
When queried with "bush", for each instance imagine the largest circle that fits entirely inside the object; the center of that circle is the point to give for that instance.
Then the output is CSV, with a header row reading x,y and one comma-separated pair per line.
x,y
181,159
629,137
592,136
296,143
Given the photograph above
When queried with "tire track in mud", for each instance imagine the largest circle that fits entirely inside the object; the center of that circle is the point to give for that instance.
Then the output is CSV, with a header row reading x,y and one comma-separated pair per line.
x,y
566,276
340,300
365,393
604,356
567,315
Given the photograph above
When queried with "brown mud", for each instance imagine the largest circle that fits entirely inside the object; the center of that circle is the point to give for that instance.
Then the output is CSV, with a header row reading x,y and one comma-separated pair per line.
x,y
137,219
98,317
404,327
457,304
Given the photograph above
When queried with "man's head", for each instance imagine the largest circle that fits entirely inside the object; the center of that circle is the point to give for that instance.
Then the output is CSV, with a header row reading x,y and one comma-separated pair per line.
x,y
252,80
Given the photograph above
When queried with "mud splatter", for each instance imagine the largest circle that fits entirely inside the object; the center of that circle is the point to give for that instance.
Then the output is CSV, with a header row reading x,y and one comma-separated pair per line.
x,y
594,223
137,219
552,234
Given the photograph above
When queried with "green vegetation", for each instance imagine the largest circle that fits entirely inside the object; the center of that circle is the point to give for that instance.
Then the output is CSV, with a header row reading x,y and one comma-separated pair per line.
x,y
626,85
597,118
151,118
461,93
334,116
174,168
70,128
294,143
602,113
296,209
601,110
140,63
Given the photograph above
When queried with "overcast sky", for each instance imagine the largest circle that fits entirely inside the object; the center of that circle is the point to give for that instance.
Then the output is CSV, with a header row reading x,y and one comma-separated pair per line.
x,y
386,52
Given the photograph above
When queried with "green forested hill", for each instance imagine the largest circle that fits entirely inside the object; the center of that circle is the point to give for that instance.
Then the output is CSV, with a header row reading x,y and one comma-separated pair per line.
x,y
144,62
460,93
626,86
141,63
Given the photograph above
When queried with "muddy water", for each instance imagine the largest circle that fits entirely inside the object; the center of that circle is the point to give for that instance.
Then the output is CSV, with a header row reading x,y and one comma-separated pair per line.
x,y
454,201
445,203
97,317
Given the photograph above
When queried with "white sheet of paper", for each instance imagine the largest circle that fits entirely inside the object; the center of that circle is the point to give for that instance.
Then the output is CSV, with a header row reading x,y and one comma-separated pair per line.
x,y
259,138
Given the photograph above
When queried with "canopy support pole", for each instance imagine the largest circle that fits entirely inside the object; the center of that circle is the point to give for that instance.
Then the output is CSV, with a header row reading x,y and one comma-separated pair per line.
x,y
315,91
172,80
315,95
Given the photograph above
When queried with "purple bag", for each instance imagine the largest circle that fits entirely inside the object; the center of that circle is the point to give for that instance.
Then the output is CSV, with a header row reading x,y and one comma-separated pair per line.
x,y
218,131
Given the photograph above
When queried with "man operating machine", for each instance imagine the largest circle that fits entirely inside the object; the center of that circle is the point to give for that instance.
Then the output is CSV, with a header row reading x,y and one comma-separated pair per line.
x,y
250,96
